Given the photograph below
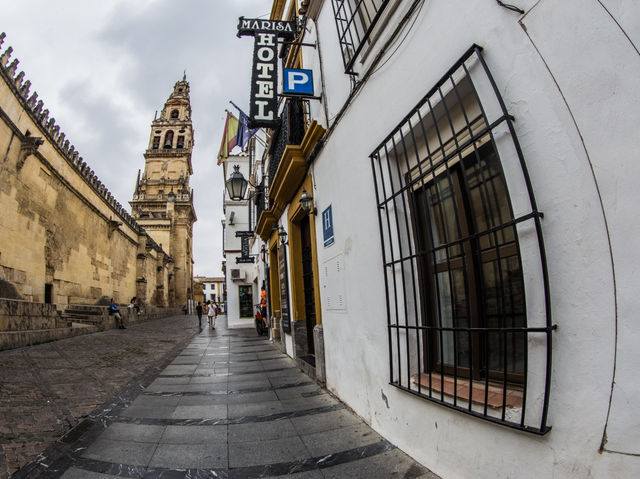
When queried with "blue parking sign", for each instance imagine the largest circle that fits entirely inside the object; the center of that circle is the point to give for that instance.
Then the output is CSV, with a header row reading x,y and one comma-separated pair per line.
x,y
297,82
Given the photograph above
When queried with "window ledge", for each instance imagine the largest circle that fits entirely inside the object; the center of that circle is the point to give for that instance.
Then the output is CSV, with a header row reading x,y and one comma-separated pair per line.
x,y
459,388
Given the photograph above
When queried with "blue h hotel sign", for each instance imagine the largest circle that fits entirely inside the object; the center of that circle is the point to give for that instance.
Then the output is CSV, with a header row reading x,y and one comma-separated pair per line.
x,y
297,82
327,227
263,105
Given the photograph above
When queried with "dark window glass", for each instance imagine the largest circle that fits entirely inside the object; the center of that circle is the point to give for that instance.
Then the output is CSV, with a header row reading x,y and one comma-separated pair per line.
x,y
246,301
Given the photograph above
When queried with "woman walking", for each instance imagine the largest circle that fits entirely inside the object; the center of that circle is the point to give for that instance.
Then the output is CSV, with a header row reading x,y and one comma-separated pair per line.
x,y
211,314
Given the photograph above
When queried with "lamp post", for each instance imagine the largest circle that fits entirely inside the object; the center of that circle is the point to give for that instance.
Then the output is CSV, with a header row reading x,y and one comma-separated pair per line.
x,y
236,185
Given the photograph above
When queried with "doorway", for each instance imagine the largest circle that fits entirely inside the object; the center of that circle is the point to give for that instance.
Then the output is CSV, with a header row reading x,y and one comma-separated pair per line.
x,y
308,283
48,293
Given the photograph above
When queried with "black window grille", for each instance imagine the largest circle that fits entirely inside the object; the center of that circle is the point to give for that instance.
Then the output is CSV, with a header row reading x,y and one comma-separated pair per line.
x,y
469,317
355,21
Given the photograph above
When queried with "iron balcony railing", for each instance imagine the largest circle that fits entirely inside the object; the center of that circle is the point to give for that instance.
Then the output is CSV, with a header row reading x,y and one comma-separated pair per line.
x,y
291,130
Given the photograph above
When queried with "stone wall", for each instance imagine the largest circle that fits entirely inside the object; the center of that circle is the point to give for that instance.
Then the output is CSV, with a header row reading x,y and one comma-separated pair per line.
x,y
64,238
25,323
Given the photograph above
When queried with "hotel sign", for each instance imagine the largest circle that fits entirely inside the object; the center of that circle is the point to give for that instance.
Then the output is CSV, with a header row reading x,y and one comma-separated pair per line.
x,y
263,105
244,249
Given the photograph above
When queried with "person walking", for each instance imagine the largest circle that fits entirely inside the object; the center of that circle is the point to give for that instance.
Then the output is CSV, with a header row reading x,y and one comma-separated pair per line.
x,y
199,313
113,309
211,314
263,303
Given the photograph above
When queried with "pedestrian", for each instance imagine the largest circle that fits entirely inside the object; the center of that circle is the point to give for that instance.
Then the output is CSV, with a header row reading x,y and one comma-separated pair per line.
x,y
199,313
134,304
263,302
211,314
113,309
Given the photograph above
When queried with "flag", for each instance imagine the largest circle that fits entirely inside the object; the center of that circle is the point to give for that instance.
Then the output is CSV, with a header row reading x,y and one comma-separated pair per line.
x,y
229,137
243,129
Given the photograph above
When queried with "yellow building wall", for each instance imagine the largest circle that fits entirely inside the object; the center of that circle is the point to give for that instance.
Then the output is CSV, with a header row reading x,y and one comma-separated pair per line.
x,y
59,225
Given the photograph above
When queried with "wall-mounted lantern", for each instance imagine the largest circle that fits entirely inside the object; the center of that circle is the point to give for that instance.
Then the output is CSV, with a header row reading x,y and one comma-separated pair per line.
x,y
282,234
236,185
306,201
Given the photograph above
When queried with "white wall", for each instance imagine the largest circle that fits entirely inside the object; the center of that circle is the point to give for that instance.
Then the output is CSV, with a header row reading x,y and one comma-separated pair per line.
x,y
567,74
240,222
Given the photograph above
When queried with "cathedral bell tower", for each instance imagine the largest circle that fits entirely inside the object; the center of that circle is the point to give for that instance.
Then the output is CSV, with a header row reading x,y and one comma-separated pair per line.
x,y
163,201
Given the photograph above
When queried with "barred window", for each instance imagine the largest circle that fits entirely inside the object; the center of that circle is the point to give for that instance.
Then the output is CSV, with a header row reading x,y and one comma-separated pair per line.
x,y
355,21
462,331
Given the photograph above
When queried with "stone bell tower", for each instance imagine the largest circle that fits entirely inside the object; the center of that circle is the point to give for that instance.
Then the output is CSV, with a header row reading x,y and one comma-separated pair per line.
x,y
163,201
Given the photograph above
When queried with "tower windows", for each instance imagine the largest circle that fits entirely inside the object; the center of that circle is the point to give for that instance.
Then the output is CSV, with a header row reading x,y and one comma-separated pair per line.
x,y
174,114
156,142
180,143
168,139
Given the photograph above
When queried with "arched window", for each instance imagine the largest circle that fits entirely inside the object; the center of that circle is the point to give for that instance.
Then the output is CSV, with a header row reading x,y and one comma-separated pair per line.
x,y
174,114
156,142
168,139
180,143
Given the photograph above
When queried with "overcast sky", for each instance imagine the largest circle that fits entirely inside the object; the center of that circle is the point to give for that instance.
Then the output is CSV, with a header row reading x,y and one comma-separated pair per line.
x,y
103,68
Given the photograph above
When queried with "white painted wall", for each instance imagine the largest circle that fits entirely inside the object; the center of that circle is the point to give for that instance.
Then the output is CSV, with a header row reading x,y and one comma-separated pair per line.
x,y
568,72
240,222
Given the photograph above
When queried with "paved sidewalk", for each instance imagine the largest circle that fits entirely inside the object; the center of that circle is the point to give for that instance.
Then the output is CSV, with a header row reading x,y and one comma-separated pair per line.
x,y
228,405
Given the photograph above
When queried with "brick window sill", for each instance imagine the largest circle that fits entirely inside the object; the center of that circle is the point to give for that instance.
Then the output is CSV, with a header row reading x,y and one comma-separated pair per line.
x,y
460,389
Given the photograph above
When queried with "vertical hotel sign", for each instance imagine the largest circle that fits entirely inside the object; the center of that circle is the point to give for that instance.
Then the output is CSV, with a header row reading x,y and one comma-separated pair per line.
x,y
263,109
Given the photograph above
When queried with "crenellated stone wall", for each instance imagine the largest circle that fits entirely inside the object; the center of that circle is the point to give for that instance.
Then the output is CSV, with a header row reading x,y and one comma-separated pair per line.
x,y
64,238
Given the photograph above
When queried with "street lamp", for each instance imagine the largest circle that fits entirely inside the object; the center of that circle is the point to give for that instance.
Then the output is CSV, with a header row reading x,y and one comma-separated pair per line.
x,y
236,185
306,201
282,234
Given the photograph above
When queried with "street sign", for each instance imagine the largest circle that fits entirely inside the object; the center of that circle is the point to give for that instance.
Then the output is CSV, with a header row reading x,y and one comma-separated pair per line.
x,y
298,82
327,227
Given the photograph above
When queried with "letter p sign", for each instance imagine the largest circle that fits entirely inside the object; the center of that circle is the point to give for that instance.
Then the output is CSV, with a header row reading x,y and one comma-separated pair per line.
x,y
298,82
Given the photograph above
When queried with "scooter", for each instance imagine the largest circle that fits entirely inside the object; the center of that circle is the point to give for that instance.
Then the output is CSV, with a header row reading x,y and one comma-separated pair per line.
x,y
262,324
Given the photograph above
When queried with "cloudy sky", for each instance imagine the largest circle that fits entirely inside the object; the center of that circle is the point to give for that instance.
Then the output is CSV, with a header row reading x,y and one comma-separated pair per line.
x,y
103,68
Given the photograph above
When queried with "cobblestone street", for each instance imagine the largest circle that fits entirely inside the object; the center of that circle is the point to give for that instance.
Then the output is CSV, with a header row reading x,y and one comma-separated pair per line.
x,y
46,390
166,399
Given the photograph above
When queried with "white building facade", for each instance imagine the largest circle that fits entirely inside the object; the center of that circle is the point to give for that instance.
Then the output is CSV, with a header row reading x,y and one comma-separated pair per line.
x,y
243,277
467,281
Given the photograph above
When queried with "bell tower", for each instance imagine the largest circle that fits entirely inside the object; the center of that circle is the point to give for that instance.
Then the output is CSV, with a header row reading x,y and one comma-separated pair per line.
x,y
163,201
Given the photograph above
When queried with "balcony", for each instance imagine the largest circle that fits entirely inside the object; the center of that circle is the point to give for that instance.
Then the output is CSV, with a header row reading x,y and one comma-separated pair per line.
x,y
291,145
